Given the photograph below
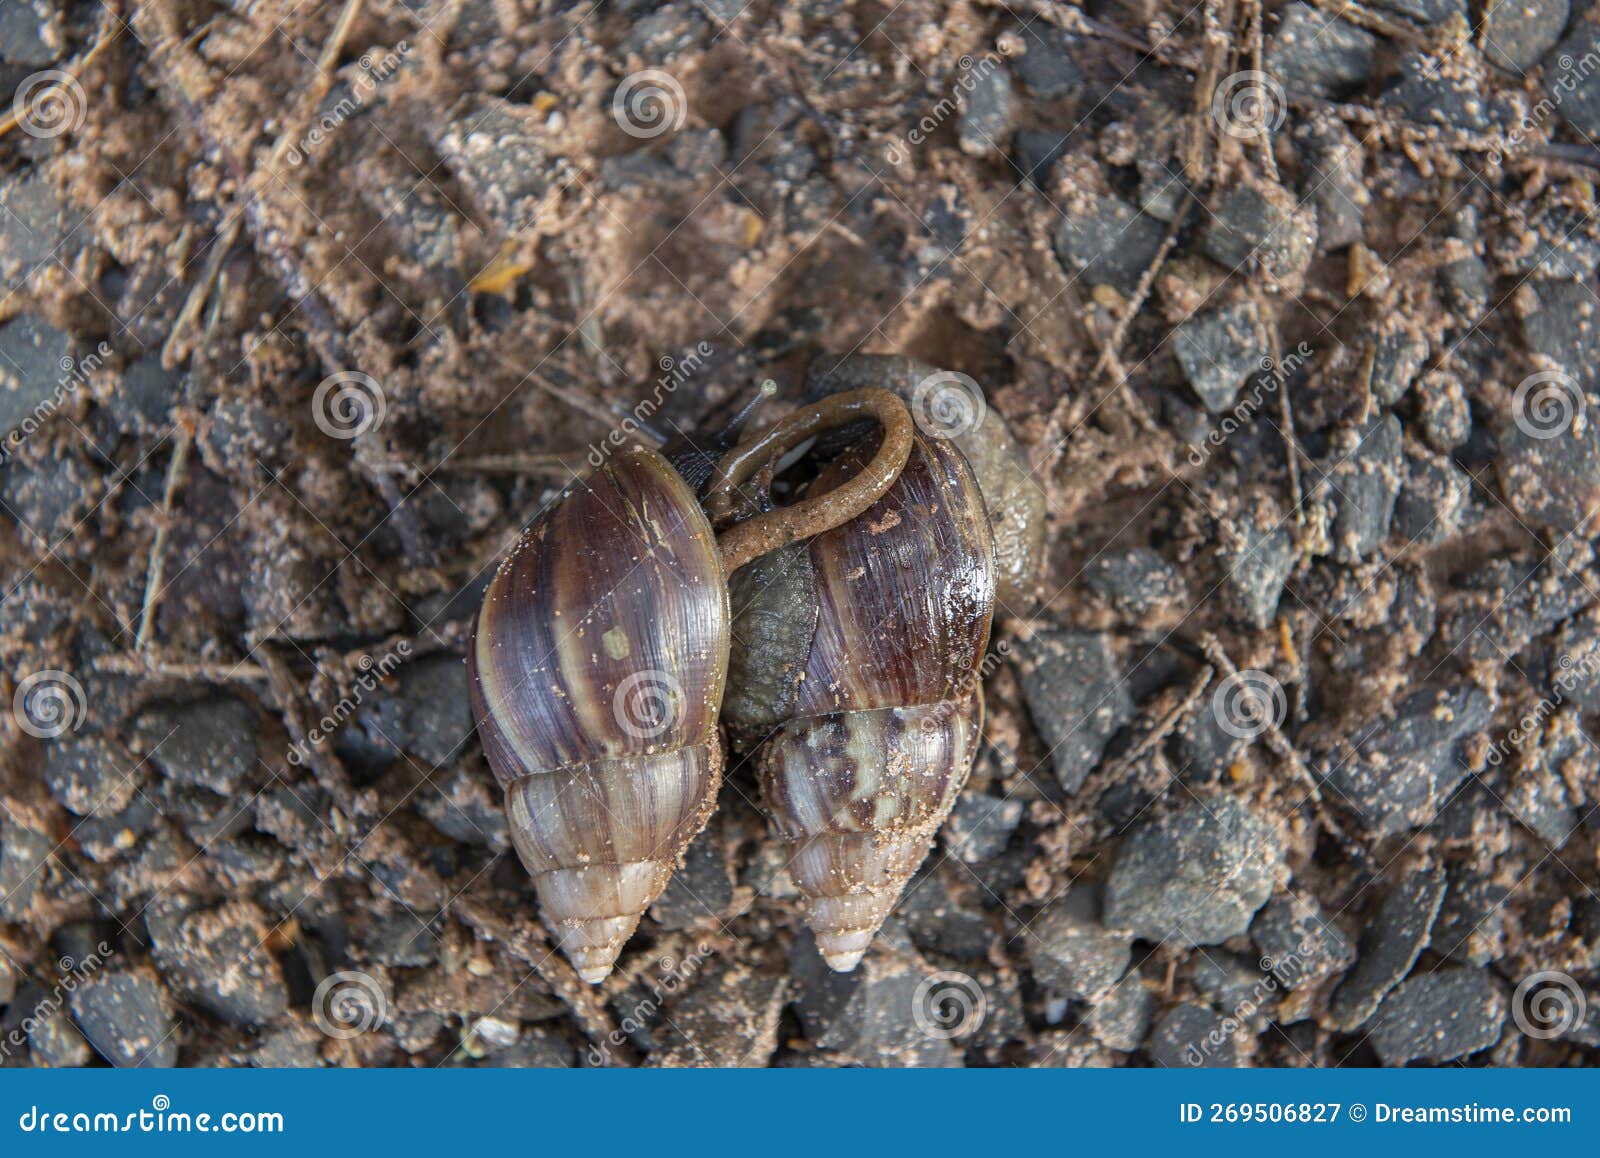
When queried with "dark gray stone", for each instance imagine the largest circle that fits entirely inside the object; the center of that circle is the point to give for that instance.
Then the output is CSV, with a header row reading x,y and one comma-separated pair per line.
x,y
1259,226
35,361
984,124
700,892
462,807
31,32
1316,54
1390,946
33,225
55,1042
499,153
145,395
91,775
1426,11
1072,952
1363,473
1120,1019
1573,88
980,825
1435,492
869,1015
219,958
206,744
1397,771
1399,350
23,853
422,709
1194,877
1257,573
1046,66
1076,696
1034,153
128,1019
939,923
1334,180
1299,945
1442,411
1105,242
1471,926
1448,92
1218,350
1193,1037
403,941
1439,1017
1516,33
1137,581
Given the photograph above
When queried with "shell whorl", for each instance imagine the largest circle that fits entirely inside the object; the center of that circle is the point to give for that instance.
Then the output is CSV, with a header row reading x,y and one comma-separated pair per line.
x,y
888,709
858,797
597,667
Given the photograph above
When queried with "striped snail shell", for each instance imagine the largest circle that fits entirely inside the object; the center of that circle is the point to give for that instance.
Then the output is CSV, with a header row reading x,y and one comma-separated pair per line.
x,y
866,648
597,666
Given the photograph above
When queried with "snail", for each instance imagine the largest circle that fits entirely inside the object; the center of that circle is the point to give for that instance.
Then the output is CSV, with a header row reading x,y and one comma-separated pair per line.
x,y
598,661
856,661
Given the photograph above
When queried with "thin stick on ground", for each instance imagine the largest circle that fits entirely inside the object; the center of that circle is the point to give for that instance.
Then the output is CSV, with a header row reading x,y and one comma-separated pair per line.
x,y
156,572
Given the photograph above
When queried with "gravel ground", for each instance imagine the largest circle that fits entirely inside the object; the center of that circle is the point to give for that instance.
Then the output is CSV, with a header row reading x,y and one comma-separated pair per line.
x,y
310,308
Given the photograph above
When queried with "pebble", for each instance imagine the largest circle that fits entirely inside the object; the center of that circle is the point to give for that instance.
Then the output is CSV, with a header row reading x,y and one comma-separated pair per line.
x,y
1395,772
1034,153
701,890
1574,90
91,775
1257,572
498,151
1194,877
984,124
1390,945
1076,696
1516,33
33,225
1432,499
1138,581
1425,11
145,396
422,709
128,1019
55,1042
1045,66
1120,1019
1193,1037
1218,350
868,1015
402,941
1107,242
206,744
1261,226
1072,952
729,1019
32,356
1299,945
462,807
1443,413
1471,926
1439,1017
219,958
980,825
1318,55
1398,352
1363,473
23,853
1334,181
31,32
939,923
1447,92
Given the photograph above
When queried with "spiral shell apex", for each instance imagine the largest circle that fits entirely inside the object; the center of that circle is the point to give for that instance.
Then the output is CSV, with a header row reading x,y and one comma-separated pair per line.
x,y
597,669
884,708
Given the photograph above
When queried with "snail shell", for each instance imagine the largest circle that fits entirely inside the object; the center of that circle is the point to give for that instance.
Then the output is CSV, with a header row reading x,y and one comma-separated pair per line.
x,y
597,667
875,672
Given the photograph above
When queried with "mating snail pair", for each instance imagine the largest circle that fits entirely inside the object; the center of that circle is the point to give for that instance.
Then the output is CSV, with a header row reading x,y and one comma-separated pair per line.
x,y
602,654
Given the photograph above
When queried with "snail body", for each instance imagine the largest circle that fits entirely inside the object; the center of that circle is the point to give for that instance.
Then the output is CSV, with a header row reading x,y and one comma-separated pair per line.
x,y
866,648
